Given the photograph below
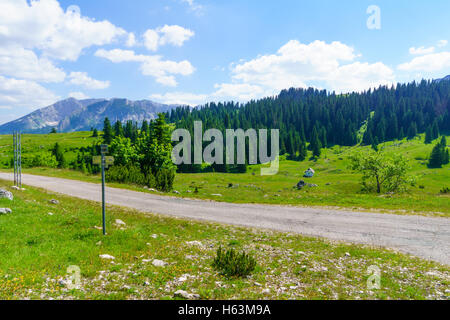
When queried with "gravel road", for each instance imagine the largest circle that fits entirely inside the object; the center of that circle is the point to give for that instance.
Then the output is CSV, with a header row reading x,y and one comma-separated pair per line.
x,y
425,237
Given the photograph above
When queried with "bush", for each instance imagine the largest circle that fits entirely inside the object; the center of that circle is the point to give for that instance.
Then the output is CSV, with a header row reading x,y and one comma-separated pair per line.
x,y
164,179
130,174
445,190
233,264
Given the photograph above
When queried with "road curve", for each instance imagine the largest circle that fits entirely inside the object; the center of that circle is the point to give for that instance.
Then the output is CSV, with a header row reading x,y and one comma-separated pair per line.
x,y
426,237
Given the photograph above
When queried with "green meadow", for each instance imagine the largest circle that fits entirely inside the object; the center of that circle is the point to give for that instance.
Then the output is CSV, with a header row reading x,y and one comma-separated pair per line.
x,y
41,239
337,185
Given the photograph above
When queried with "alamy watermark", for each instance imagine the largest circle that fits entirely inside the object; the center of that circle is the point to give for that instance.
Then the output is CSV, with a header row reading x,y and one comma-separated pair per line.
x,y
235,153
374,20
374,280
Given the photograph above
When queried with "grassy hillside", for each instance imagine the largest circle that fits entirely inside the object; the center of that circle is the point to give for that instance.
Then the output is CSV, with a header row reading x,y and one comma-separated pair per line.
x,y
40,240
337,185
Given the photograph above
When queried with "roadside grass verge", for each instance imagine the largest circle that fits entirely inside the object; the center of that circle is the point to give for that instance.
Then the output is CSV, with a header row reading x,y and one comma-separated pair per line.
x,y
40,240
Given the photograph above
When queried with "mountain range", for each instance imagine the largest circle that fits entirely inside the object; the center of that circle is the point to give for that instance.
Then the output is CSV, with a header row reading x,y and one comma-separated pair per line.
x,y
81,115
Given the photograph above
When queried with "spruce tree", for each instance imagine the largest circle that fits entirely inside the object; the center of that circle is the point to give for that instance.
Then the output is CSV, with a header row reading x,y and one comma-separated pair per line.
x,y
118,129
428,136
107,131
436,160
315,144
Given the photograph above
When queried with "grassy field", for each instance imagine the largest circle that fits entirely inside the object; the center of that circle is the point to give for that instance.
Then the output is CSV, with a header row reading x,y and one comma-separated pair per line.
x,y
39,240
337,186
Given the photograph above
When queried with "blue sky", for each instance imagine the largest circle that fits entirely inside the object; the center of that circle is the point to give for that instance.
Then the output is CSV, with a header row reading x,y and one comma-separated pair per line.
x,y
193,51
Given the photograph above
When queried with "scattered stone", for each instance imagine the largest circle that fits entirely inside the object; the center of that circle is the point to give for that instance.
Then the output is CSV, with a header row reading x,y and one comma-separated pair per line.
x,y
107,257
50,213
309,173
98,243
194,243
216,194
15,188
347,254
154,236
119,222
152,189
266,291
6,194
328,183
146,283
176,192
54,201
185,295
258,284
301,184
5,210
159,263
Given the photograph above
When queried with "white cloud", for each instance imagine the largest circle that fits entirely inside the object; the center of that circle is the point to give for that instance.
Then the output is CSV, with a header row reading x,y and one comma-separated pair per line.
x,y
21,63
155,66
429,62
151,40
330,65
183,98
24,93
131,41
173,35
442,43
194,6
78,95
82,79
44,25
421,50
300,65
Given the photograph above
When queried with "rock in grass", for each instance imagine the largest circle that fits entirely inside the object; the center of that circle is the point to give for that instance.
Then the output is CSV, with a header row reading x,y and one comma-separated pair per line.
x,y
120,223
194,243
159,263
54,201
6,194
5,210
107,257
185,295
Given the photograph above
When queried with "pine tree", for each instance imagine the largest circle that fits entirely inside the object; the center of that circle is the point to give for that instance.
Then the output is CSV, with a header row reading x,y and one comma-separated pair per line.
x,y
303,151
95,133
412,131
145,128
436,157
428,136
118,129
435,130
59,155
315,144
107,131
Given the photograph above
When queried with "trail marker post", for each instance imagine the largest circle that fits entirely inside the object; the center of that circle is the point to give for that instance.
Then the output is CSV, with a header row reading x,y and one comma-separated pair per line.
x,y
17,159
104,162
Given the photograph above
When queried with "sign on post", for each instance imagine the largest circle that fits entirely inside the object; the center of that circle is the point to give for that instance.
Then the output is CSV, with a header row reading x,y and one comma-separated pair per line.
x,y
104,162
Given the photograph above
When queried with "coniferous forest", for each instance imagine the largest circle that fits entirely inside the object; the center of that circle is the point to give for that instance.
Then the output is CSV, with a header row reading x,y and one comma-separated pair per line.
x,y
325,119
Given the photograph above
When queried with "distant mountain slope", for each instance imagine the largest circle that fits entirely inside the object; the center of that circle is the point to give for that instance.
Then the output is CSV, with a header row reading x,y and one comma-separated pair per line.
x,y
447,78
76,115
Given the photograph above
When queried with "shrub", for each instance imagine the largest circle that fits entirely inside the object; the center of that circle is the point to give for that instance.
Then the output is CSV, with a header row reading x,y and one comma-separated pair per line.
x,y
233,264
130,174
445,190
164,179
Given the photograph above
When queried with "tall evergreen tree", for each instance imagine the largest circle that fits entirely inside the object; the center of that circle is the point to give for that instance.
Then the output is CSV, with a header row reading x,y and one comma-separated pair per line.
x,y
107,131
428,136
